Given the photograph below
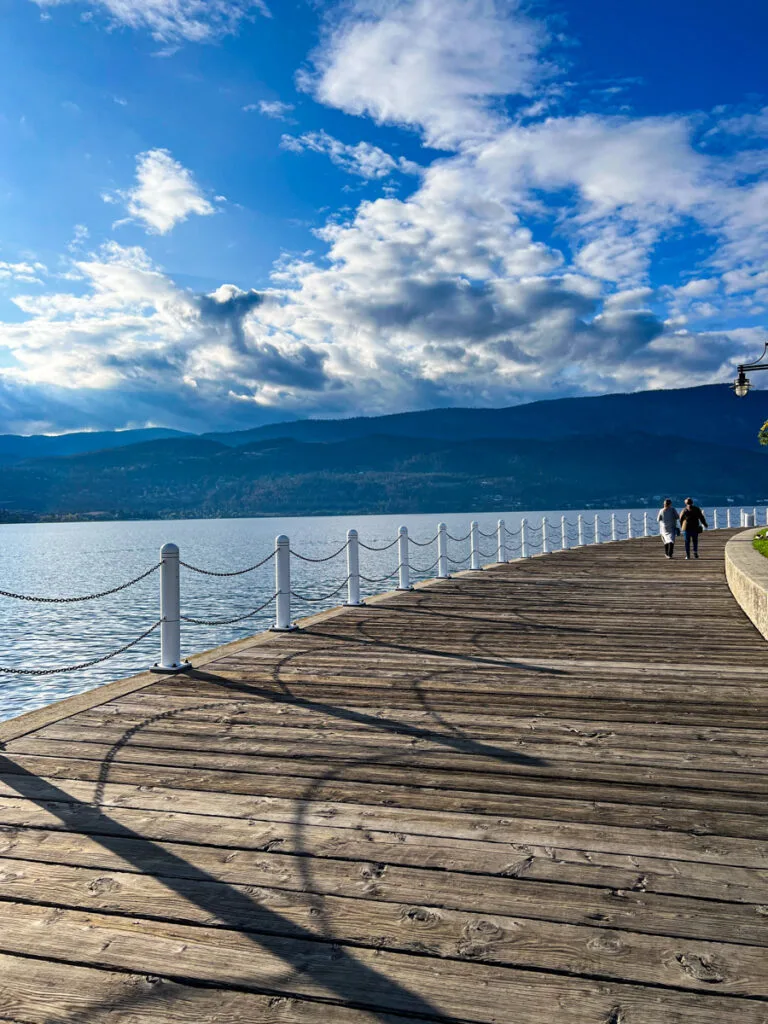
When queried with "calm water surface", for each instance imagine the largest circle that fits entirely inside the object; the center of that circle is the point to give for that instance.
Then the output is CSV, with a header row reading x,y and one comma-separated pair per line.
x,y
63,559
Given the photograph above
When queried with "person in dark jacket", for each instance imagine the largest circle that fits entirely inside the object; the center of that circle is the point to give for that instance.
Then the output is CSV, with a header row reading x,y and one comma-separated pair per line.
x,y
691,522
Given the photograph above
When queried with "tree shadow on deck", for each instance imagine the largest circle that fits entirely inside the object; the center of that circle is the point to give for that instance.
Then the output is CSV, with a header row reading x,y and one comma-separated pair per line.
x,y
463,744
347,980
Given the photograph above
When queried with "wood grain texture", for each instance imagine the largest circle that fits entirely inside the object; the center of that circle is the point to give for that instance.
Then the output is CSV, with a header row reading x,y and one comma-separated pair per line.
x,y
529,787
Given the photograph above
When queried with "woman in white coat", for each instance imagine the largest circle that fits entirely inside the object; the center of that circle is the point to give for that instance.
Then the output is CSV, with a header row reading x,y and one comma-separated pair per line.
x,y
668,518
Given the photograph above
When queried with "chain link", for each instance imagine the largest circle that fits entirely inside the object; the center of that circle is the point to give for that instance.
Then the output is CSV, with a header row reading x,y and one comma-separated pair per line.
x,y
228,622
422,572
381,579
489,554
423,543
87,597
458,540
84,664
325,597
488,536
385,548
460,561
237,572
328,558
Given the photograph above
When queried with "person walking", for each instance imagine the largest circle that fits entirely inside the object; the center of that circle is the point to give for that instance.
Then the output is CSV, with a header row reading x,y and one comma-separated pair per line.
x,y
667,519
691,521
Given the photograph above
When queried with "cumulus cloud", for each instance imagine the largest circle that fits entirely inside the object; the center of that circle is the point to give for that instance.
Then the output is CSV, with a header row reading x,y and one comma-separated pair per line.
x,y
524,263
198,21
361,159
23,272
275,109
164,195
440,66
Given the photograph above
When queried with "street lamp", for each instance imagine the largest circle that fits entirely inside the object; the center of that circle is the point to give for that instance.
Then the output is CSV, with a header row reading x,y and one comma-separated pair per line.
x,y
741,386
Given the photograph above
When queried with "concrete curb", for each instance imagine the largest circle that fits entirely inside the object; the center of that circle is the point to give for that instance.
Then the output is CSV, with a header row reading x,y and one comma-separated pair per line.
x,y
747,573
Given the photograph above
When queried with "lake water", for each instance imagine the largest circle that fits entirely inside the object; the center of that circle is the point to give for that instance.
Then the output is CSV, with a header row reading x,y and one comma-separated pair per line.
x,y
63,559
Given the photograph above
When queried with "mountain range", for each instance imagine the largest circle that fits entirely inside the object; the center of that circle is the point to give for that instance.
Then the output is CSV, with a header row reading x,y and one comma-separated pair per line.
x,y
610,450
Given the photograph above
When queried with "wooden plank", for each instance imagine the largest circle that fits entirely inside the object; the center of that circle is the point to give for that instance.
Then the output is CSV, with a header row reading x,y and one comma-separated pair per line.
x,y
726,792
203,900
234,863
336,790
422,929
114,799
393,981
34,991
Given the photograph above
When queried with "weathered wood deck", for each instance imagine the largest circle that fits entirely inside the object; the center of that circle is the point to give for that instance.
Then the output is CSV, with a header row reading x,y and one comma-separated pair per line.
x,y
528,795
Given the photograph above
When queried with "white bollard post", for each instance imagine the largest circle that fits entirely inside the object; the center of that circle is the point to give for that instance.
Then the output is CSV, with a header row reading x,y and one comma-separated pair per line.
x,y
474,542
754,516
728,517
715,524
170,613
613,526
544,538
404,582
597,528
442,552
645,524
353,568
283,622
523,540
580,529
501,542
563,533
629,526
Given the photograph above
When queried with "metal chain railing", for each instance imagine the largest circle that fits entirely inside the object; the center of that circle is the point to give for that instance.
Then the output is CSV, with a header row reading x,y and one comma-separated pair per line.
x,y
380,579
458,561
83,664
236,572
85,597
325,597
488,536
229,622
422,572
386,547
548,535
422,543
328,558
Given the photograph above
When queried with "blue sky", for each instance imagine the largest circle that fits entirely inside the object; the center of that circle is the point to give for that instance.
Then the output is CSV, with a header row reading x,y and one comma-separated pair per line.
x,y
215,214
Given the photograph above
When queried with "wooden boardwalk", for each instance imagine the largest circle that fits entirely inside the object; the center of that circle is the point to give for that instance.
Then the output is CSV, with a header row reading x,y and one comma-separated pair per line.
x,y
530,795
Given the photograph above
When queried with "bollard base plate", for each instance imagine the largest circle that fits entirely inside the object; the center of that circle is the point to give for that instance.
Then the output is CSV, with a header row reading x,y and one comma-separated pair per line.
x,y
284,629
354,604
404,589
172,670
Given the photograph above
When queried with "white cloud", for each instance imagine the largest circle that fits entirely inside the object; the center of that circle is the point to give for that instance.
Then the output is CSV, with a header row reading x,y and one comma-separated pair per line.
x,y
165,193
23,272
441,66
362,159
275,109
523,263
197,21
